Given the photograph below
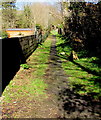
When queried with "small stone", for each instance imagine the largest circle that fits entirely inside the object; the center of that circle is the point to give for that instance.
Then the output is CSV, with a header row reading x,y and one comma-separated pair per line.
x,y
62,53
14,102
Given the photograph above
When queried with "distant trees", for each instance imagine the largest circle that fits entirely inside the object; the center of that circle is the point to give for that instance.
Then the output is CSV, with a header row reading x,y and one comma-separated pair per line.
x,y
35,13
27,17
0,20
24,19
8,13
19,20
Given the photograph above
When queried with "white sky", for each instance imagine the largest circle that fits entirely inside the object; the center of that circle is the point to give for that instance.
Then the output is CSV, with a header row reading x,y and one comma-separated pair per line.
x,y
37,0
51,1
20,3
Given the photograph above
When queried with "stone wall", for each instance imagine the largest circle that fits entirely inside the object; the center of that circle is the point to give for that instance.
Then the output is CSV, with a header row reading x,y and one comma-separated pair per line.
x,y
28,45
15,51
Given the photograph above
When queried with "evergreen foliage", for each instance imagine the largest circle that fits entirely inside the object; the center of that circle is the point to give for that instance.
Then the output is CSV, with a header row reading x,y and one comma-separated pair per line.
x,y
84,27
8,14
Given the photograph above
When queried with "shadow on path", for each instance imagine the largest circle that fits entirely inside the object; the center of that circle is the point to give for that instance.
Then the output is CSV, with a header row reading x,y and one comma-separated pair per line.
x,y
87,69
76,106
70,105
55,78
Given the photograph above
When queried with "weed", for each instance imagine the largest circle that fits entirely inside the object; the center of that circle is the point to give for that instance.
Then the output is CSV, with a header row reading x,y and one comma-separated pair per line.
x,y
25,66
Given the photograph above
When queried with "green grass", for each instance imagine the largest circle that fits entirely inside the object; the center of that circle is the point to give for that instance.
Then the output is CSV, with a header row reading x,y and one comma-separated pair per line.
x,y
91,63
63,47
80,80
24,66
32,85
53,32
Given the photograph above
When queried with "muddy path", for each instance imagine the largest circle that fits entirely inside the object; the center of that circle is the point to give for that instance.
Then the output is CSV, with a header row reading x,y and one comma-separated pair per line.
x,y
60,100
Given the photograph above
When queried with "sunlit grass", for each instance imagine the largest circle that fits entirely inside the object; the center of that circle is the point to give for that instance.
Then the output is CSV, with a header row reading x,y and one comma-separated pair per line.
x,y
80,80
89,63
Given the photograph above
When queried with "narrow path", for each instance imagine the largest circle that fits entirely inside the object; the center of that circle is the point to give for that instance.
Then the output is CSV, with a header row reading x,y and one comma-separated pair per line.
x,y
70,104
63,101
26,105
56,80
59,100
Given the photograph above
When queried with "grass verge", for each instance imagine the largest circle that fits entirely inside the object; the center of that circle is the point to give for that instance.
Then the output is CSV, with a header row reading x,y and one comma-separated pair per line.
x,y
29,83
82,77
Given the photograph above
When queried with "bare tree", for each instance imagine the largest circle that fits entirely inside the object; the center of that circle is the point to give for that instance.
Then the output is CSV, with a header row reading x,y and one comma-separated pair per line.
x,y
45,14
